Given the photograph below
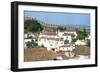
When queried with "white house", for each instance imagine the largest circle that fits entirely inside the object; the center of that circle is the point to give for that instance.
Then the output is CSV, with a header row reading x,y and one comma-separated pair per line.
x,y
50,42
71,31
26,40
54,39
48,34
42,41
59,42
67,36
80,42
29,34
29,40
47,39
28,37
68,49
60,33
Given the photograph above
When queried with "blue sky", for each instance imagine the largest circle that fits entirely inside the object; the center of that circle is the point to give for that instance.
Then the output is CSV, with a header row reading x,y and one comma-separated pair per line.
x,y
60,18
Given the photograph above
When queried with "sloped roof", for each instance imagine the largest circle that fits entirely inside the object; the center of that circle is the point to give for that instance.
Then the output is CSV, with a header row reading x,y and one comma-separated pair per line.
x,y
38,54
82,50
66,34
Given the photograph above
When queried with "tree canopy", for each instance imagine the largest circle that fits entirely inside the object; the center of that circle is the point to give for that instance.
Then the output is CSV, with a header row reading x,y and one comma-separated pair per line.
x,y
81,34
32,26
61,28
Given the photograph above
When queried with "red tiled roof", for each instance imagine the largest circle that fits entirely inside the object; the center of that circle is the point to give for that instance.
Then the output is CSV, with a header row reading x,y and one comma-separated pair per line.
x,y
42,37
67,34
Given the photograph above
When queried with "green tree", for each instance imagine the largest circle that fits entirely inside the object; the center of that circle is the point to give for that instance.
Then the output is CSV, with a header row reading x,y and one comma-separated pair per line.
x,y
85,33
28,44
74,40
61,28
34,44
81,35
32,26
31,44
